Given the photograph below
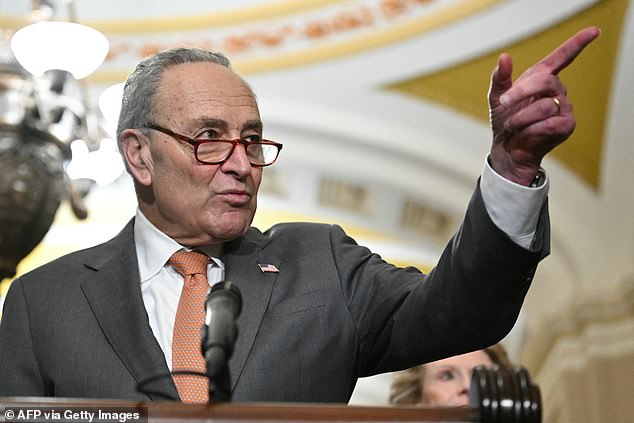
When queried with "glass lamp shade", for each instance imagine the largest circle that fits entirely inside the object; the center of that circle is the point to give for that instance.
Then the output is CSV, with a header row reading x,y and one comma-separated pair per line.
x,y
110,106
66,46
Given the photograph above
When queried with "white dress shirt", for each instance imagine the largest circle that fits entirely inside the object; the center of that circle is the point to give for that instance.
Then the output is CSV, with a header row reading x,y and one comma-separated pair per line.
x,y
512,207
161,285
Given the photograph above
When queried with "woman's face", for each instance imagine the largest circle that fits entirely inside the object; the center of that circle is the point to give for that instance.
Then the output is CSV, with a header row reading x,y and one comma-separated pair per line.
x,y
445,383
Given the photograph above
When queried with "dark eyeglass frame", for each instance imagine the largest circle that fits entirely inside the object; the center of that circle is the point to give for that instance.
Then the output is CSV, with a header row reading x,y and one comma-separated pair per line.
x,y
197,142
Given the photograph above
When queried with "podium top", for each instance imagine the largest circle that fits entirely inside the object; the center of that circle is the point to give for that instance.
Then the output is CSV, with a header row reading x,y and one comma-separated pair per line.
x,y
497,395
49,410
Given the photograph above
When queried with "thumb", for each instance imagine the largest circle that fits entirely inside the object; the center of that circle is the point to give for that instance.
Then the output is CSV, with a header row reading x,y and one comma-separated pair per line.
x,y
501,79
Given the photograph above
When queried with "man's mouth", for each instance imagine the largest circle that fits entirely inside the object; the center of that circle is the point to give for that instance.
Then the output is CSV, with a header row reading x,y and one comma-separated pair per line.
x,y
236,198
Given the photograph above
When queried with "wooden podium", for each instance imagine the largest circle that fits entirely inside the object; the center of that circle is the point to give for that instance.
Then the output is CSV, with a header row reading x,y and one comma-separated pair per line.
x,y
497,396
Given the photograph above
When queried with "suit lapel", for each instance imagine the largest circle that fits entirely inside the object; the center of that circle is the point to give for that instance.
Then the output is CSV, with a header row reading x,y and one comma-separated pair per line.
x,y
114,294
242,260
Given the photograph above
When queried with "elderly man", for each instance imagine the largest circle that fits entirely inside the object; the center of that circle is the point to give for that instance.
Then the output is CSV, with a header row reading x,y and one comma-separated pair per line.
x,y
318,311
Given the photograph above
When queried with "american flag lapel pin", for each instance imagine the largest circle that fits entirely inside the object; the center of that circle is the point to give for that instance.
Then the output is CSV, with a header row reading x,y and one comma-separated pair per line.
x,y
268,268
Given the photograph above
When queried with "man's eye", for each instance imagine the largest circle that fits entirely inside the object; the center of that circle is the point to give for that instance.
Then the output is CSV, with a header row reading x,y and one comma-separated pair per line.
x,y
208,134
253,138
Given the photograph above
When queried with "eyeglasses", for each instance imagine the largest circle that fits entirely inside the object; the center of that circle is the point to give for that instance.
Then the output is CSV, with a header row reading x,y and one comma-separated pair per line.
x,y
216,151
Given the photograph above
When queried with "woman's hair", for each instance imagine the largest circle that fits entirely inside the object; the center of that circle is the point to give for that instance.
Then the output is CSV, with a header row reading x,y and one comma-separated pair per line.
x,y
406,387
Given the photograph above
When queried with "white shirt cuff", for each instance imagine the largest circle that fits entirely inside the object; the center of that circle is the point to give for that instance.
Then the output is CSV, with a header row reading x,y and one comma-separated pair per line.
x,y
512,207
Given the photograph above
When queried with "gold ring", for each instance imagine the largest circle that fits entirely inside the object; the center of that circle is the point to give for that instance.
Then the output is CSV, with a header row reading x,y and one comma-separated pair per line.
x,y
557,104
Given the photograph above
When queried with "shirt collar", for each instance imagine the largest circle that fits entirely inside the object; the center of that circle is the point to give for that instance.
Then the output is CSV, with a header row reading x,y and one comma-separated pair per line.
x,y
154,248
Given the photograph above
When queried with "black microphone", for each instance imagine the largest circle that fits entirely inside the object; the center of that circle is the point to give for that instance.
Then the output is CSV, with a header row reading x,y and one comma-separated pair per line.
x,y
223,305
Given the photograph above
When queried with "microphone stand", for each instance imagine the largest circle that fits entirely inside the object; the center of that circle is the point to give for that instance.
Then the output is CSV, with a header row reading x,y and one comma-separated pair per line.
x,y
219,333
217,370
220,385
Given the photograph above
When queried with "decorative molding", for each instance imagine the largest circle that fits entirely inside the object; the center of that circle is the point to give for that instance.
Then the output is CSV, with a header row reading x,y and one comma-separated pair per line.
x,y
235,16
613,307
425,221
345,195
583,357
214,18
291,40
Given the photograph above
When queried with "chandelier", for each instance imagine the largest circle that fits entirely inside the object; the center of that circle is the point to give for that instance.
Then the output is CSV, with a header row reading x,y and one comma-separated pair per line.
x,y
50,134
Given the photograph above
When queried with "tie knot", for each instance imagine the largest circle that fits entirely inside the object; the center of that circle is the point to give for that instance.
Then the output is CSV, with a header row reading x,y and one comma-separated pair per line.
x,y
189,263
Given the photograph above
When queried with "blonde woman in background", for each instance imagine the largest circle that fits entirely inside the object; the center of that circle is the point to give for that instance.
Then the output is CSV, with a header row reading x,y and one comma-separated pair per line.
x,y
444,383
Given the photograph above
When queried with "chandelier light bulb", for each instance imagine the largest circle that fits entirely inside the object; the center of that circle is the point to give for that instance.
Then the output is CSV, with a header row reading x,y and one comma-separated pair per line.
x,y
67,46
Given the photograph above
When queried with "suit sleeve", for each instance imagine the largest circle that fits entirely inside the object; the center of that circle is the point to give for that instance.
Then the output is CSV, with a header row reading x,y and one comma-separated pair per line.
x,y
19,373
470,300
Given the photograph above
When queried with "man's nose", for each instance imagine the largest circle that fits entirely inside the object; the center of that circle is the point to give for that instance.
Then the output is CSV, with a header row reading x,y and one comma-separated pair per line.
x,y
238,161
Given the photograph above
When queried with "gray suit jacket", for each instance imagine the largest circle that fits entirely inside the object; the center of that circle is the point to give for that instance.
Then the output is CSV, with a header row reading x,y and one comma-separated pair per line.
x,y
77,327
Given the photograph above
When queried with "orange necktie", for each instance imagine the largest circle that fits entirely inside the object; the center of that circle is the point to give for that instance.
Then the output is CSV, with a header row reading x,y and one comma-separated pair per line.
x,y
190,316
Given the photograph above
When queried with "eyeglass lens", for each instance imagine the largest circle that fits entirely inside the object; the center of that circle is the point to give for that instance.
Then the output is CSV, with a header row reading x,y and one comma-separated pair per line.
x,y
258,154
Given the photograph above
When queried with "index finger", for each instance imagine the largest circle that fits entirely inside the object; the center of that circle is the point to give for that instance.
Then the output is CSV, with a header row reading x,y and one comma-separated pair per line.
x,y
568,51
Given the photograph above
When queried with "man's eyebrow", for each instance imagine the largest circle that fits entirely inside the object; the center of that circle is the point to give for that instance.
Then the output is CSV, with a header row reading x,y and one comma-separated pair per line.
x,y
204,121
254,124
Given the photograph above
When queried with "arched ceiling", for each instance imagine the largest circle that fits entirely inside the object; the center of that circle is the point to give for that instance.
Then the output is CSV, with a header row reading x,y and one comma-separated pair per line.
x,y
449,47
460,86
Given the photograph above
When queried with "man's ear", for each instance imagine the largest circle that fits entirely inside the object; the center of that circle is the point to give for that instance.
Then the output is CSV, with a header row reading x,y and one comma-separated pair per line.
x,y
136,151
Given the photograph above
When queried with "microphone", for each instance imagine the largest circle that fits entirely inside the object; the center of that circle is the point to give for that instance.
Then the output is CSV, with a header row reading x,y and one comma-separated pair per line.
x,y
223,305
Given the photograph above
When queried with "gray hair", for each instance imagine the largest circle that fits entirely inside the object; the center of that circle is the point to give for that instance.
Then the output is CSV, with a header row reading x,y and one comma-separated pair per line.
x,y
143,83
